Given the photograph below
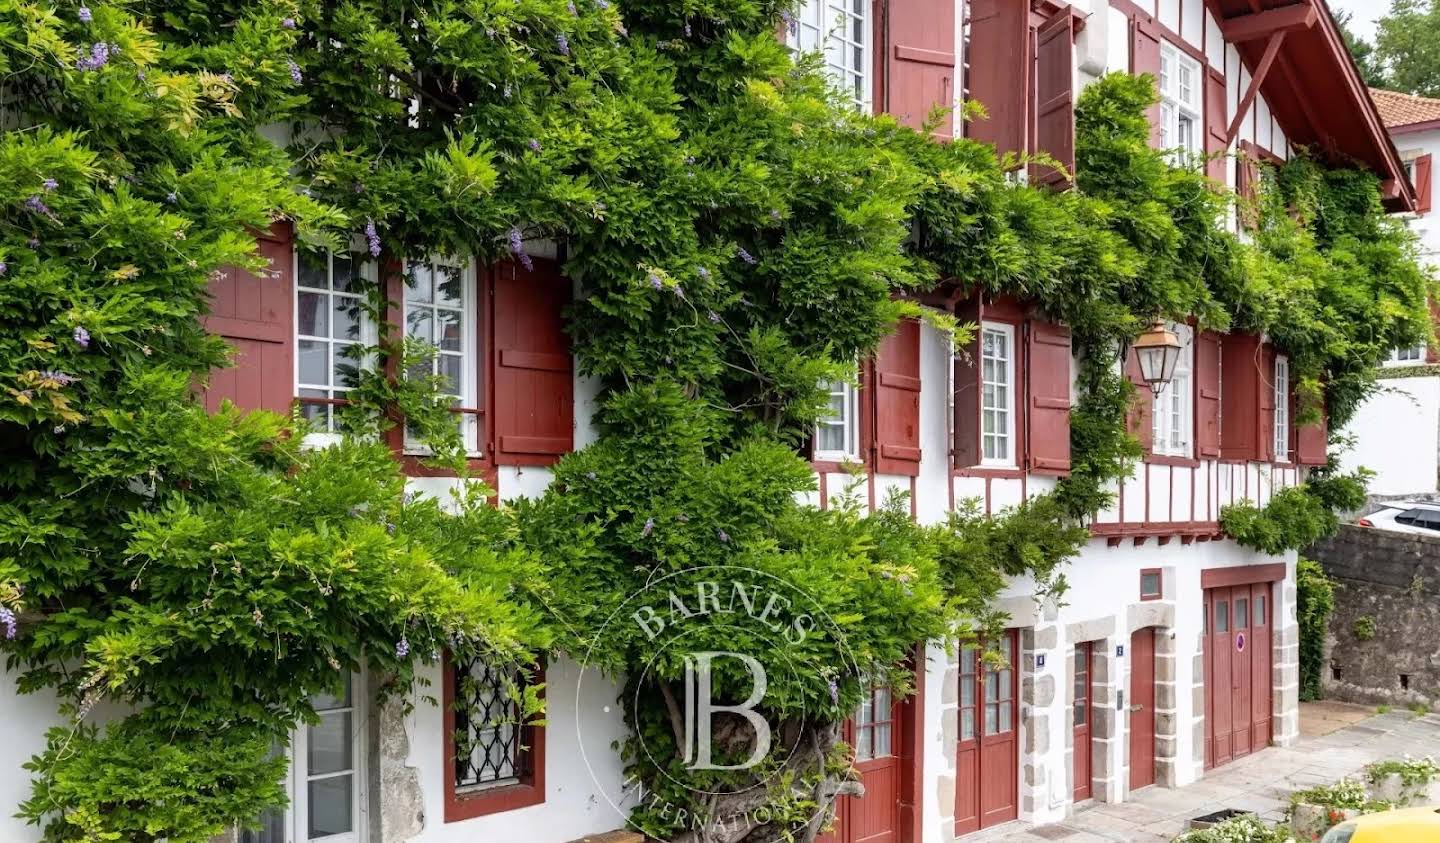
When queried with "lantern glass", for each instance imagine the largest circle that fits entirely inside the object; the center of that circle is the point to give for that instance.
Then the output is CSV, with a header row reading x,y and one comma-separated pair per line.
x,y
1158,353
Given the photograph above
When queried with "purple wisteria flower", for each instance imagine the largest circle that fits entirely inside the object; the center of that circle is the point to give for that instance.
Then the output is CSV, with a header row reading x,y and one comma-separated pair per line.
x,y
4,268
679,291
49,184
590,475
834,692
82,336
683,518
171,197
602,4
7,620
714,317
687,29
655,281
402,648
36,205
574,12
745,256
295,75
648,528
534,145
287,23
703,273
517,248
563,43
723,536
33,242
84,14
372,238
59,377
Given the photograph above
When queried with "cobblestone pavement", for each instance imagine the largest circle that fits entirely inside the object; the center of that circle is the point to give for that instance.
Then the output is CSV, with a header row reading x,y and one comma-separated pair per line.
x,y
1261,783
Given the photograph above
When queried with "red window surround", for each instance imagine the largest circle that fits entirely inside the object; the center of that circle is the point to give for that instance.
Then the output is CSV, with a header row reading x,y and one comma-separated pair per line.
x,y
529,790
1157,592
524,365
1040,392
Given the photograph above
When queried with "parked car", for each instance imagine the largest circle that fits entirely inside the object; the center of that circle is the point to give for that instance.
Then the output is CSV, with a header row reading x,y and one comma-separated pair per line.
x,y
1406,825
1405,517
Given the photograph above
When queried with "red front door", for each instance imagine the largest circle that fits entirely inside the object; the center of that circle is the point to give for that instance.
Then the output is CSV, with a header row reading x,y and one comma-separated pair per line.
x,y
875,733
987,754
1142,708
1237,671
1084,697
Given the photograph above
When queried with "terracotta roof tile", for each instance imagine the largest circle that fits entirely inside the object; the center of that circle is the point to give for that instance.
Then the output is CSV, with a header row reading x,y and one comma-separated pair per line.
x,y
1397,109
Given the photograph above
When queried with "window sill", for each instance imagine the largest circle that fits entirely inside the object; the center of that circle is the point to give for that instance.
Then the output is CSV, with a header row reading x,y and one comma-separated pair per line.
x,y
496,800
1167,459
830,465
1005,472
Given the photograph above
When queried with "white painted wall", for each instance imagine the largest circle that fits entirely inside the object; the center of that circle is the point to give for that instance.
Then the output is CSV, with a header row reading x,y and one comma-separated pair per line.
x,y
1395,434
23,722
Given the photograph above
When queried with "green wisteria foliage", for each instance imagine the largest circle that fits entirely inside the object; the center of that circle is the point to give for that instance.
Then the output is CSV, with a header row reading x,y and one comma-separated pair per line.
x,y
738,234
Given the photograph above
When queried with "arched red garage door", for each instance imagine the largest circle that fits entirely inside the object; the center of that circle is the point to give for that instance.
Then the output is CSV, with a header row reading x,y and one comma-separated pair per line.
x,y
987,756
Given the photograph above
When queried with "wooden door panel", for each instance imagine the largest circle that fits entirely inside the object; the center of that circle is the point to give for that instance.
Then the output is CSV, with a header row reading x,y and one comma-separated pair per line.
x,y
1082,712
873,816
1260,665
1240,670
987,780
967,787
1142,708
1219,688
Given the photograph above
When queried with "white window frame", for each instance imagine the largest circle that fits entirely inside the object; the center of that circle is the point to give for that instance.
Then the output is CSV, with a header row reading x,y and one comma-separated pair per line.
x,y
296,816
469,310
989,432
1411,356
848,422
1282,408
1173,410
327,433
1177,103
829,26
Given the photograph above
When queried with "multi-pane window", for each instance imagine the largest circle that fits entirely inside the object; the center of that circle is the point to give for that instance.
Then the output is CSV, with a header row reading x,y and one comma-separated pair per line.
x,y
331,330
874,724
837,435
1180,91
1173,418
490,738
1082,684
1413,354
997,395
840,29
1000,691
326,788
440,309
1282,409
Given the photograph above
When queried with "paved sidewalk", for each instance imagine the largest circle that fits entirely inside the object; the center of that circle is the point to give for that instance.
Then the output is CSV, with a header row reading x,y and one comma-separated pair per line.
x,y
1261,782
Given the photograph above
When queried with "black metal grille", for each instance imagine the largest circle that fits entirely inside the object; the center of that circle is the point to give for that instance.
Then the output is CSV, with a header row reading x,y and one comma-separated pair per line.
x,y
489,736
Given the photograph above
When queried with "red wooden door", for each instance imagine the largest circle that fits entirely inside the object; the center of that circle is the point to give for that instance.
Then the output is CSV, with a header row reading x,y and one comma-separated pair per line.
x,y
1142,708
1217,686
875,733
1260,656
1084,697
988,750
1241,672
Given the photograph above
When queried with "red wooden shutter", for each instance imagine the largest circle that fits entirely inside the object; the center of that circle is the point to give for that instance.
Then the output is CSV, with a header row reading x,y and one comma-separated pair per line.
x,y
532,409
1141,421
999,70
1422,184
1312,442
920,58
897,401
1055,97
1048,367
1266,399
1217,125
1245,426
967,390
1145,58
255,315
1207,394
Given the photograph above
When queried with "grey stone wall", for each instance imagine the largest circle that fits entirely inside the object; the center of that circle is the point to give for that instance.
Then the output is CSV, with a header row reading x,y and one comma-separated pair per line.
x,y
1390,580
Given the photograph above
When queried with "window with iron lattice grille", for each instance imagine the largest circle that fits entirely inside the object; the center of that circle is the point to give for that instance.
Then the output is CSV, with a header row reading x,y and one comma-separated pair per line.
x,y
496,758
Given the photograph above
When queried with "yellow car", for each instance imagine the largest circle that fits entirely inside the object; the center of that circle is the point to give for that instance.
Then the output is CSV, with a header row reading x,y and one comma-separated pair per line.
x,y
1407,825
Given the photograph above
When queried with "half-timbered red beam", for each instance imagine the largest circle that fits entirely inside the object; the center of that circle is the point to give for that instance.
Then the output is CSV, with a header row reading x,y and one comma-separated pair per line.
x,y
1242,28
1262,70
